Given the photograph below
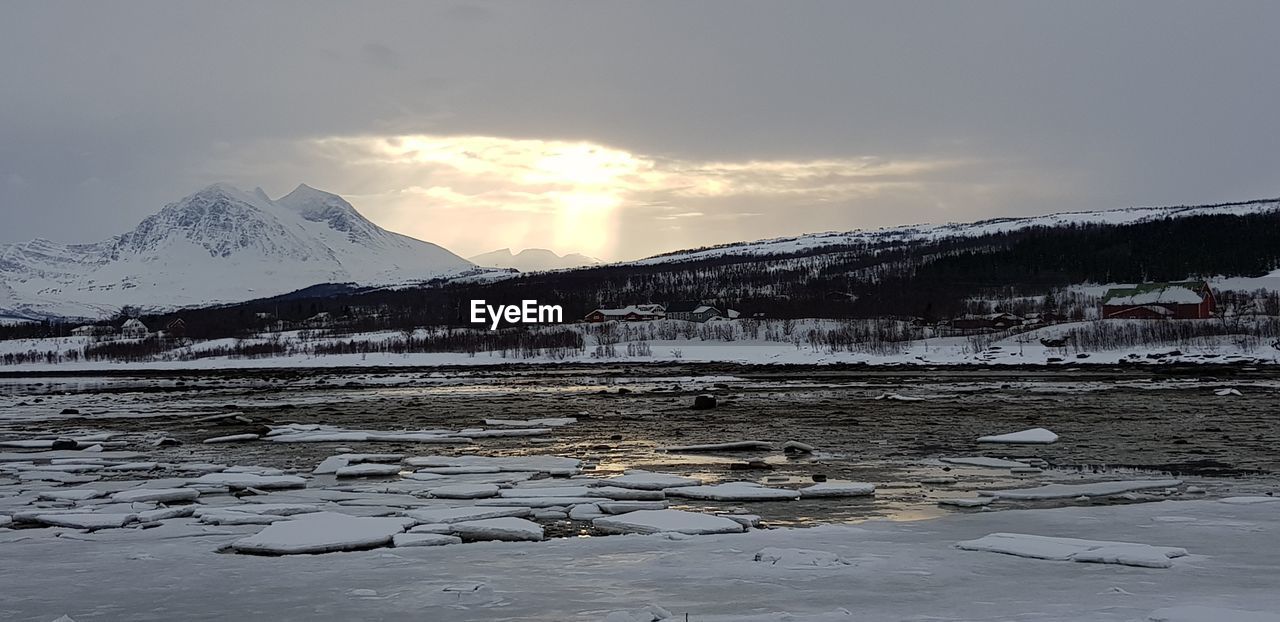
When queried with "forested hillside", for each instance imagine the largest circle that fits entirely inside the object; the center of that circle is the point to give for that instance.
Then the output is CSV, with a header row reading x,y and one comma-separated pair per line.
x,y
933,278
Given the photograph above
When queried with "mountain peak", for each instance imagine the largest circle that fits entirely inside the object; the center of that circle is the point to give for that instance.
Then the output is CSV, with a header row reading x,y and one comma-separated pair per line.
x,y
531,259
218,244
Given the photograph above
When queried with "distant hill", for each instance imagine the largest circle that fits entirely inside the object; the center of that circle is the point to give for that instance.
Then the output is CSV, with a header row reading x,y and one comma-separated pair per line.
x,y
1042,263
532,260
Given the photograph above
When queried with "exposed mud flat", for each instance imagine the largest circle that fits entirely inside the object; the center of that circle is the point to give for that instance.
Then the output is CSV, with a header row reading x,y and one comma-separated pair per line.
x,y
1121,423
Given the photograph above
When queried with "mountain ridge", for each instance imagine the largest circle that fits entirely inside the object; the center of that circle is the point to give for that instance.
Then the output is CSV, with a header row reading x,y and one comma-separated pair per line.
x,y
532,260
219,244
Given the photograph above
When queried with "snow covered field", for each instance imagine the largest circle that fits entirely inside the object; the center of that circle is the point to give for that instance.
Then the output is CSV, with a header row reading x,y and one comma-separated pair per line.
x,y
794,349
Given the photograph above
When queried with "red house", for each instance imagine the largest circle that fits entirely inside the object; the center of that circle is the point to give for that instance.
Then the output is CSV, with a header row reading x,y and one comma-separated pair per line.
x,y
1187,300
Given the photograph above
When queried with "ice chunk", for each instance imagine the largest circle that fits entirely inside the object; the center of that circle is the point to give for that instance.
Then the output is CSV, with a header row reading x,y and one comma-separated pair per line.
x,y
70,494
181,511
552,422
1063,549
465,491
967,503
1248,500
461,470
250,480
368,469
899,398
799,558
838,489
133,466
161,495
657,521
432,528
585,512
622,507
97,520
734,491
66,453
233,438
1071,491
221,516
645,480
322,532
1226,392
56,476
461,514
1034,436
402,540
798,447
506,528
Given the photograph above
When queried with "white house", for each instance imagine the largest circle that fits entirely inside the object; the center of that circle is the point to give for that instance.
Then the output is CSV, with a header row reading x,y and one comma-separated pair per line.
x,y
133,328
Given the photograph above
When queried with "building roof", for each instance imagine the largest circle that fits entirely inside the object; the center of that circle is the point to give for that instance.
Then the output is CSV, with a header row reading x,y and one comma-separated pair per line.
x,y
629,309
133,323
705,309
1182,293
683,306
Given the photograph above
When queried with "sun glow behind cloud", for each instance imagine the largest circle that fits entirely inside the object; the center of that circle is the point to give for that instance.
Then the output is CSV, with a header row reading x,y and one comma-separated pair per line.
x,y
473,194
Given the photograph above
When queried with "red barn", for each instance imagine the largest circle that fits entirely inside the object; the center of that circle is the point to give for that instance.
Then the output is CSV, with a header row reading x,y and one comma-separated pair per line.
x,y
1187,300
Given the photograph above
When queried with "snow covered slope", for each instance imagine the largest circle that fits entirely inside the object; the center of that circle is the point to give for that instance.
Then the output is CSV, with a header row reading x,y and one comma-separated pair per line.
x,y
532,259
911,233
220,244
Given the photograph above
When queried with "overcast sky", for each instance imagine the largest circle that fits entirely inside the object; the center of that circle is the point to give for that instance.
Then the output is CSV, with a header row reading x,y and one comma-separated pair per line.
x,y
622,129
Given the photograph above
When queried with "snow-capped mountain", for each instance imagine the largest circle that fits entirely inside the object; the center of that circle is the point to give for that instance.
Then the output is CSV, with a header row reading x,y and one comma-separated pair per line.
x,y
221,244
532,259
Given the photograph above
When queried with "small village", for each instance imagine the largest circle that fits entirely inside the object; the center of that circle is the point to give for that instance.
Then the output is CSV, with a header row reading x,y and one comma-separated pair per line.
x,y
1184,300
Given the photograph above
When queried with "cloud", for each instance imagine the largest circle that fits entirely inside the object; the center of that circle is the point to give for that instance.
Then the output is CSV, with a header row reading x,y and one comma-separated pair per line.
x,y
808,116
564,194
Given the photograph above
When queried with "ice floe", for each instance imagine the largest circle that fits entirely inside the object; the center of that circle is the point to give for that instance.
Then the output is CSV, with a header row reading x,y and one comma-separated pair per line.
x,y
1033,436
250,480
899,398
93,520
402,540
645,480
1063,549
838,489
368,469
551,422
322,532
1071,491
734,491
659,521
506,528
160,495
465,491
231,438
